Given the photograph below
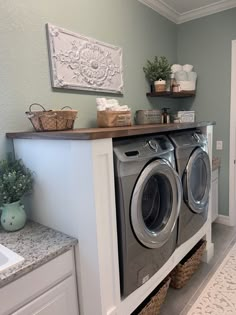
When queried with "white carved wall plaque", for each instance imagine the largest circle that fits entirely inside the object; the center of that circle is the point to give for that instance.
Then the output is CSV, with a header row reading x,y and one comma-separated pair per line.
x,y
83,63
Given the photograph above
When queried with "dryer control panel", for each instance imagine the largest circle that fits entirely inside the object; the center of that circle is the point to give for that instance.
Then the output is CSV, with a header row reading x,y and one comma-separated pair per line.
x,y
148,147
189,139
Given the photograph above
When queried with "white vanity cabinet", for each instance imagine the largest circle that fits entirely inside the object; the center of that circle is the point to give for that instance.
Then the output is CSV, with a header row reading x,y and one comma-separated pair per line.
x,y
48,290
214,183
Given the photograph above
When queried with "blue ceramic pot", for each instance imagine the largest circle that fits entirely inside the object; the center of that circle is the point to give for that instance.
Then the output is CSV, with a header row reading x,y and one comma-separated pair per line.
x,y
13,216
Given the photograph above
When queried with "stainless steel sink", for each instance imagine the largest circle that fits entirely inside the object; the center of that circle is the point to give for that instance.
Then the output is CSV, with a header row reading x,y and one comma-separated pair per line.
x,y
8,258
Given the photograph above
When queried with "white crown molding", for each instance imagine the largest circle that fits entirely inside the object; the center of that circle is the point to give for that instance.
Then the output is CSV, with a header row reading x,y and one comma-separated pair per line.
x,y
179,18
206,10
163,9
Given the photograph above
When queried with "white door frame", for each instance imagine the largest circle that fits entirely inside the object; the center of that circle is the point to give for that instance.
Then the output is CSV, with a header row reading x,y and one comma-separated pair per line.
x,y
232,144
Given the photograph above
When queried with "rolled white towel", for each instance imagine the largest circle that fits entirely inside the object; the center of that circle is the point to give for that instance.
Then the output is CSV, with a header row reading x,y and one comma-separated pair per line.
x,y
188,68
101,107
124,108
192,76
110,105
181,76
119,108
101,101
112,102
176,67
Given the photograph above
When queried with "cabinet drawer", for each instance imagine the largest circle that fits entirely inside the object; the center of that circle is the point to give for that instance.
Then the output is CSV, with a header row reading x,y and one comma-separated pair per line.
x,y
28,287
60,300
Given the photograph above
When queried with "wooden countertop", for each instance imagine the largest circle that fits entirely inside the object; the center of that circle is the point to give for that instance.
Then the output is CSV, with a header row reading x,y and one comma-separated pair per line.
x,y
102,133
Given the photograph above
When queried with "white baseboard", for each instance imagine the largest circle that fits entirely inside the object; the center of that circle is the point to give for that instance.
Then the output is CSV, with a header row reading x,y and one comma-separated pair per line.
x,y
223,219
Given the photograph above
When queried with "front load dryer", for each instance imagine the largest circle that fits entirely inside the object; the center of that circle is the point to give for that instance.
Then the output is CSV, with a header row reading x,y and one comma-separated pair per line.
x,y
194,168
148,197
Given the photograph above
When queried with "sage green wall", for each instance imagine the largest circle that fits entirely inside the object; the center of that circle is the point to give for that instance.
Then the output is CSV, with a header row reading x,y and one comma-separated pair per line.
x,y
206,43
24,69
143,33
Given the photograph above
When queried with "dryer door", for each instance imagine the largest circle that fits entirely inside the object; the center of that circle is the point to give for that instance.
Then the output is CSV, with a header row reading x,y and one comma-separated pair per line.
x,y
197,181
155,203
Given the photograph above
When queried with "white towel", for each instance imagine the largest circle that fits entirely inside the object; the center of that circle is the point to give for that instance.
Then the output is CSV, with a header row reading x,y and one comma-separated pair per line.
x,y
176,67
192,76
187,68
110,104
181,76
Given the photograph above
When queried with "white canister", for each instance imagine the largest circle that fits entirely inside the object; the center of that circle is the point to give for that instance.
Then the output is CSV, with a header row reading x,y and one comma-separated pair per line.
x,y
186,85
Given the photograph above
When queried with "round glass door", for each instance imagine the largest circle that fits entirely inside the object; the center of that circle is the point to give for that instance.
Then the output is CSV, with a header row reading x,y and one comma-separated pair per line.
x,y
197,181
155,203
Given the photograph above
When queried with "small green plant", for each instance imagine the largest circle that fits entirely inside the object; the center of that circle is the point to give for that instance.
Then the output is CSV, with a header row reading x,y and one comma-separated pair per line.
x,y
158,69
15,180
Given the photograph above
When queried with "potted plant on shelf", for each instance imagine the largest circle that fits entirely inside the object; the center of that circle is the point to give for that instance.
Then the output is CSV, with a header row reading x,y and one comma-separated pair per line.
x,y
157,72
15,181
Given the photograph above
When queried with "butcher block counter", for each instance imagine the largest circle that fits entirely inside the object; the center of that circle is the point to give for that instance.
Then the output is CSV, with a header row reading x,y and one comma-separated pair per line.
x,y
103,133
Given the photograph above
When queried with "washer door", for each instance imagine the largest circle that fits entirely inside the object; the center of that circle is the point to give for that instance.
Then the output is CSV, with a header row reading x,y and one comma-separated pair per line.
x,y
155,203
197,181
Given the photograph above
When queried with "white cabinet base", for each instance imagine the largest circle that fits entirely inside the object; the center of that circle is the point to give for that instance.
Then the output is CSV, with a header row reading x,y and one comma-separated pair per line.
x,y
74,192
214,182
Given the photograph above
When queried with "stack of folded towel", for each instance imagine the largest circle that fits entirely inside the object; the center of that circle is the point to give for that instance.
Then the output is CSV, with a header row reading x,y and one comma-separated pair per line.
x,y
110,105
185,76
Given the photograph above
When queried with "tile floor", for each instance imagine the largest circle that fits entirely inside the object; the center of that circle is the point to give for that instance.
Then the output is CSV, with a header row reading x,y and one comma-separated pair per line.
x,y
178,302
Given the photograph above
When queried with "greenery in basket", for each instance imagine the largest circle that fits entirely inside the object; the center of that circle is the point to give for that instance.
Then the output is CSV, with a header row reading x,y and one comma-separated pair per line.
x,y
157,69
15,180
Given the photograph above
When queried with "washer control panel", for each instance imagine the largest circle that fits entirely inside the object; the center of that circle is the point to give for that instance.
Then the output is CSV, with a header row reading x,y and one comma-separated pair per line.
x,y
153,144
196,137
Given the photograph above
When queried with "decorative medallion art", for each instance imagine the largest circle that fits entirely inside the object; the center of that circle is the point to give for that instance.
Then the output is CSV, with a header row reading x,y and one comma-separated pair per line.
x,y
219,295
82,63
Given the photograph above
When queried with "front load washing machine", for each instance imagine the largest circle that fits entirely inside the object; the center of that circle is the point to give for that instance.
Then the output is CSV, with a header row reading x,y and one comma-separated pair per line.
x,y
194,168
148,197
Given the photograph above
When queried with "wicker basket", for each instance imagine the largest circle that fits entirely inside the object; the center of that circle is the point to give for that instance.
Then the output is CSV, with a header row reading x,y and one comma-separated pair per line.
x,y
51,120
152,305
185,269
106,118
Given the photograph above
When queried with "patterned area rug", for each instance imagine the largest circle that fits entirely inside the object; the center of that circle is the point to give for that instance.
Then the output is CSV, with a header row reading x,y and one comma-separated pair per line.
x,y
219,296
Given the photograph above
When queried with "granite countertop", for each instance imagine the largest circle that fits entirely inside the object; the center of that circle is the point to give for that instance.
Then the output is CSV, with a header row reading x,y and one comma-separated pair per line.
x,y
37,244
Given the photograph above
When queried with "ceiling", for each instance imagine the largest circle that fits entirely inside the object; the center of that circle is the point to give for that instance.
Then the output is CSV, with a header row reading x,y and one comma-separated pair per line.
x,y
180,11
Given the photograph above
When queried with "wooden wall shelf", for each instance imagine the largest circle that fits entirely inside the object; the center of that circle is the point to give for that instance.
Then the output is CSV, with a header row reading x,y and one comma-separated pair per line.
x,y
172,94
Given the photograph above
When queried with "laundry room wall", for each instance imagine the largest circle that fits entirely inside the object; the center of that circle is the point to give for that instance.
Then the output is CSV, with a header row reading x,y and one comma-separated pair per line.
x,y
24,68
206,43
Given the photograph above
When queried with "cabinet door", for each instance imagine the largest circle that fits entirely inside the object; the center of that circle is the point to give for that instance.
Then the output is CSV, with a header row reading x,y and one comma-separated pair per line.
x,y
60,300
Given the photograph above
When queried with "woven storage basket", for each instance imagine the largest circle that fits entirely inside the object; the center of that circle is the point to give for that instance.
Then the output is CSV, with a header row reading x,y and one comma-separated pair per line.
x,y
106,118
185,269
51,120
154,302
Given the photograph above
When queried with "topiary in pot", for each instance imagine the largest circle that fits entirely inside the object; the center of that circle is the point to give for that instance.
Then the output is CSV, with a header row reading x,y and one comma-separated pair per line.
x,y
15,181
158,71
